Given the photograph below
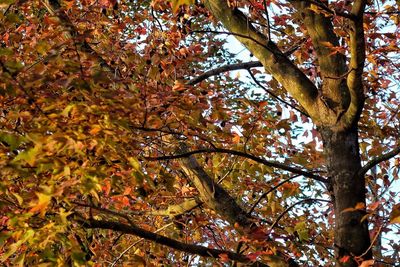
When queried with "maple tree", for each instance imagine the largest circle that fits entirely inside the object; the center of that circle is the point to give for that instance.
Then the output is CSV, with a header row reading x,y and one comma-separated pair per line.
x,y
125,138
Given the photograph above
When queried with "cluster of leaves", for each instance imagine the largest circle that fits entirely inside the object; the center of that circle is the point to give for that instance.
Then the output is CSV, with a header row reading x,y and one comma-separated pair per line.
x,y
92,92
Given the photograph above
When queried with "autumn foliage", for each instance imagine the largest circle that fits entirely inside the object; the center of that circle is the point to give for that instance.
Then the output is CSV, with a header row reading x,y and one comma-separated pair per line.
x,y
128,135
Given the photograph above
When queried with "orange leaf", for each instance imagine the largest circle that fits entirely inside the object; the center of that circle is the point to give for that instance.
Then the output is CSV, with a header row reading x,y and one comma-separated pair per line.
x,y
42,203
345,258
236,139
224,257
367,263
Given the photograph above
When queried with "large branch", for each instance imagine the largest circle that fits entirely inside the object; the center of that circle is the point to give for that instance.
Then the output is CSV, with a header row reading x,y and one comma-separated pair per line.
x,y
356,65
273,60
378,160
265,162
214,195
163,240
332,65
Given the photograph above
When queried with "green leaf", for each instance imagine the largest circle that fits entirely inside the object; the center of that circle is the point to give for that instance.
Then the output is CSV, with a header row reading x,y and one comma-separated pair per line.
x,y
6,2
14,66
18,197
302,231
6,51
29,156
11,139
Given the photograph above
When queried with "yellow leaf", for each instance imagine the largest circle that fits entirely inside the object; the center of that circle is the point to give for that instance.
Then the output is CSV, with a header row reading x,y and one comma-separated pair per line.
x,y
42,203
177,3
18,197
64,214
134,163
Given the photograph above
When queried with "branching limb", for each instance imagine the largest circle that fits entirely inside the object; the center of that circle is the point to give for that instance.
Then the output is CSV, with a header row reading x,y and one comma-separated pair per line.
x,y
321,31
163,240
269,163
378,160
274,61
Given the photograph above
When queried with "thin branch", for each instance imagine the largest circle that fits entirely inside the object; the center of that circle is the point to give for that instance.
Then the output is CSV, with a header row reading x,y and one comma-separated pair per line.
x,y
135,243
294,204
225,68
269,191
104,210
268,22
372,242
274,95
163,240
237,66
378,160
269,163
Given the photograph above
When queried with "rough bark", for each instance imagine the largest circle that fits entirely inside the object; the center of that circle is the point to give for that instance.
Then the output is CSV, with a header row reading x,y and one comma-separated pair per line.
x,y
347,190
214,195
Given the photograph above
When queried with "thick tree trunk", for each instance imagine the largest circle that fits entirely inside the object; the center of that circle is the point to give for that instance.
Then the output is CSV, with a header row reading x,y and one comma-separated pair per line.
x,y
347,190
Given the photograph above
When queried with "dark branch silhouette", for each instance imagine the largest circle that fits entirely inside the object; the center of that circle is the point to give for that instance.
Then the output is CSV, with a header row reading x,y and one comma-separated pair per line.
x,y
295,204
163,240
225,68
269,163
378,160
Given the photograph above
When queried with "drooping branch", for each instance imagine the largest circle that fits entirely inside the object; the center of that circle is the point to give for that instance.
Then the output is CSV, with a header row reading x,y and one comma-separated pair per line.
x,y
219,70
265,162
378,160
274,61
163,240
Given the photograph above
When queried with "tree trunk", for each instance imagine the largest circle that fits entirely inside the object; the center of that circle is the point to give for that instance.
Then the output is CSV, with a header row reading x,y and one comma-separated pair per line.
x,y
352,239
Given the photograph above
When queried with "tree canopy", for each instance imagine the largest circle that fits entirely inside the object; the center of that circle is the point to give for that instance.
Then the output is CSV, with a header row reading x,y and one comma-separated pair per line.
x,y
132,133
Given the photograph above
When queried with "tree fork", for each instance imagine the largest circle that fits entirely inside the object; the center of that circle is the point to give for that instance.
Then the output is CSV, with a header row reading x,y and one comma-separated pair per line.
x,y
351,238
